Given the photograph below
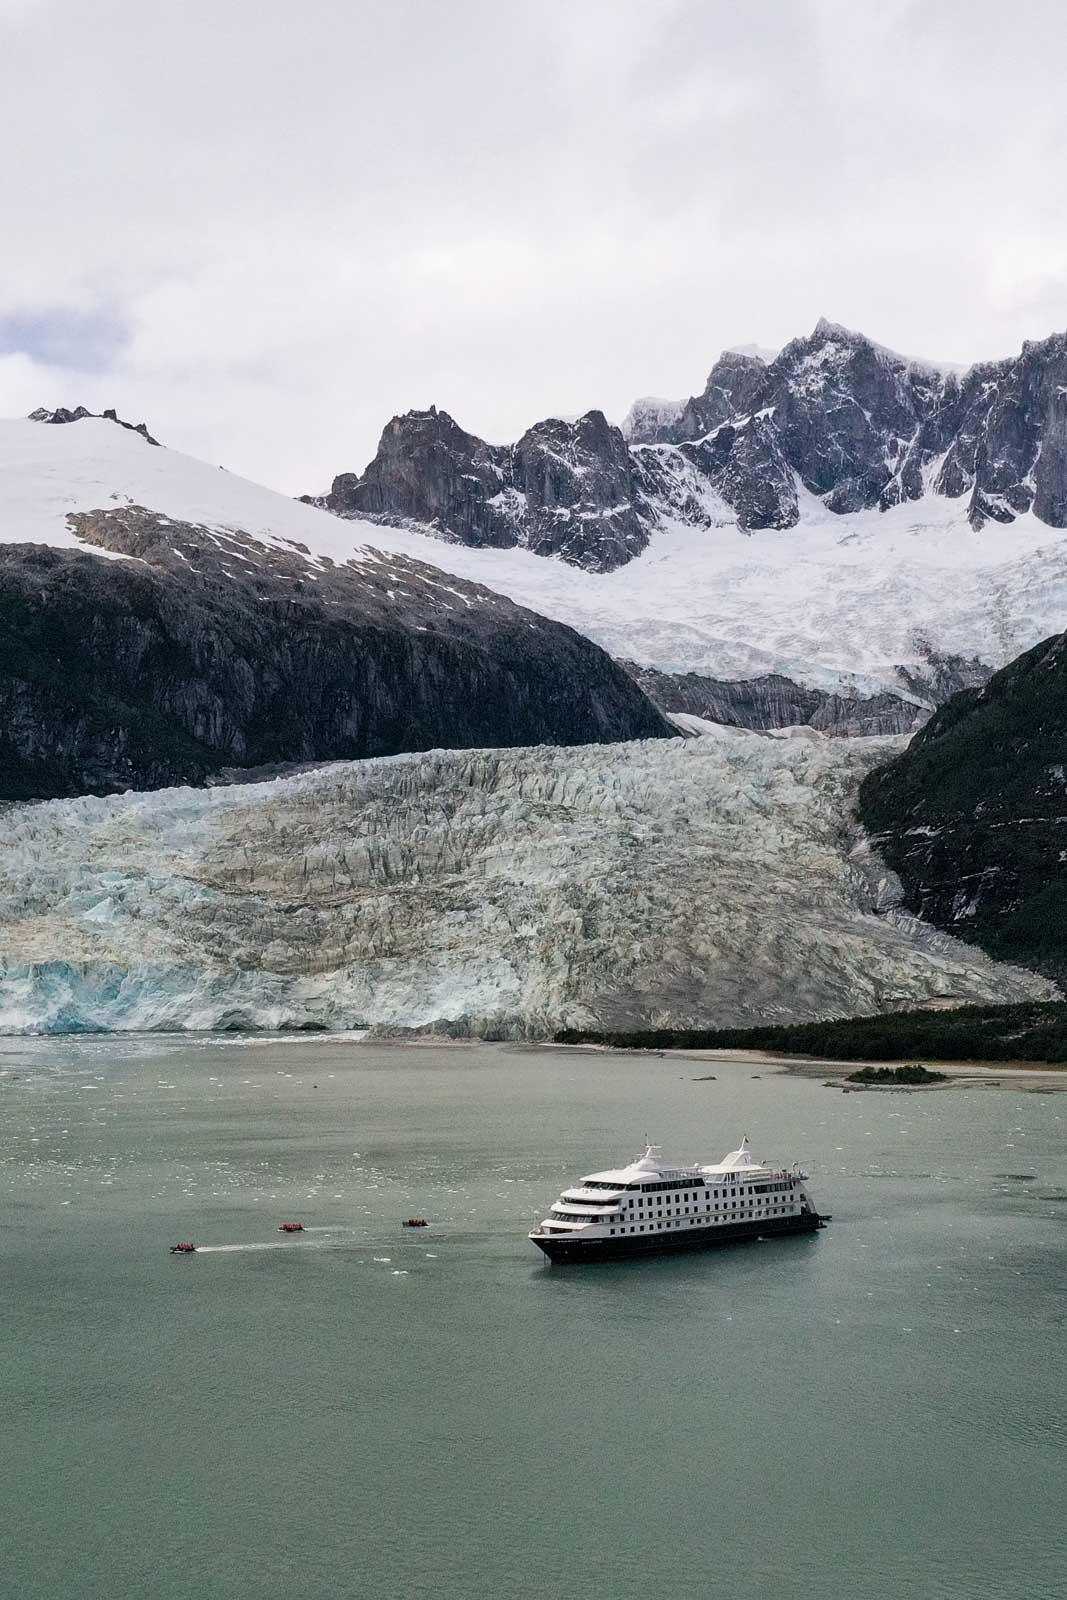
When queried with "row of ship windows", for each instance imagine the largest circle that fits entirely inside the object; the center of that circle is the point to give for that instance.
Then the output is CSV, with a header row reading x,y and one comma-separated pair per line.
x,y
747,1209
705,1195
710,1194
651,1188
768,1211
690,1193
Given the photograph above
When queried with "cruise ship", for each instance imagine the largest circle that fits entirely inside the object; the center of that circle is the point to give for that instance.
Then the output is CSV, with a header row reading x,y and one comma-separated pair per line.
x,y
648,1207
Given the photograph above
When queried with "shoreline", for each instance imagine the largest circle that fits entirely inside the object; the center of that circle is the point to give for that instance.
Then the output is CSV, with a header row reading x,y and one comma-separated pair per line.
x,y
1032,1076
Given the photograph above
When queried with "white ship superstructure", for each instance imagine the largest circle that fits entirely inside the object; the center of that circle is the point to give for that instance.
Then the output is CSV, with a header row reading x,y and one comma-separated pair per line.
x,y
649,1206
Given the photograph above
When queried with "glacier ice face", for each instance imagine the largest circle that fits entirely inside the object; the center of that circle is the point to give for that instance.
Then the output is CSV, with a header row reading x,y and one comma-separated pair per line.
x,y
505,892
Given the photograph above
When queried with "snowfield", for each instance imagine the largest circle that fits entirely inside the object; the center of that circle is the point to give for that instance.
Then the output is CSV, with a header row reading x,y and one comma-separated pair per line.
x,y
502,892
837,602
48,470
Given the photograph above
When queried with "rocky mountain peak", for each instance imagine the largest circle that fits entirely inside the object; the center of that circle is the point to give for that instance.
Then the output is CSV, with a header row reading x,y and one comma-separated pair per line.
x,y
566,488
854,423
61,414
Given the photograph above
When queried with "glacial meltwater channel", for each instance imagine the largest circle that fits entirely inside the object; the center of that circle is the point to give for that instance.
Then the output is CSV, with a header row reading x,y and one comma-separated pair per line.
x,y
366,1411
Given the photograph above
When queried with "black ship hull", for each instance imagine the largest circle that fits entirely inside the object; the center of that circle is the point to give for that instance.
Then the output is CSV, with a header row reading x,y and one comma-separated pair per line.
x,y
569,1250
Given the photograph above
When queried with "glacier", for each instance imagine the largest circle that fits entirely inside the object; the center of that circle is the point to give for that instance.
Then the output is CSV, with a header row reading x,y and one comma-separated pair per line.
x,y
494,893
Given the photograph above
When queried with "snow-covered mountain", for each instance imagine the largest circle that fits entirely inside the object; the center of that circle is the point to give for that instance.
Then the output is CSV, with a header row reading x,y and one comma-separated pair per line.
x,y
732,589
509,892
832,414
851,519
161,620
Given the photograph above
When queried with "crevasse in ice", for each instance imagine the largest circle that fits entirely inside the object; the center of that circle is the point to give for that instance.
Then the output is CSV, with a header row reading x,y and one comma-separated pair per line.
x,y
506,892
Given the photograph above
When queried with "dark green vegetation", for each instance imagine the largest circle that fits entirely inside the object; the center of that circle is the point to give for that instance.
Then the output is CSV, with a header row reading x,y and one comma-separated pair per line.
x,y
1034,1032
207,652
879,1077
973,815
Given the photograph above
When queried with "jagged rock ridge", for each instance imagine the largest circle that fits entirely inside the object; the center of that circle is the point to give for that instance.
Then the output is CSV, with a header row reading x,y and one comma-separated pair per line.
x,y
832,414
61,414
566,489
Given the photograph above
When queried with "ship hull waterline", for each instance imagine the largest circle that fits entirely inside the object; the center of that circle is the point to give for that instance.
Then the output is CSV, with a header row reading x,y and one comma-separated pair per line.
x,y
574,1251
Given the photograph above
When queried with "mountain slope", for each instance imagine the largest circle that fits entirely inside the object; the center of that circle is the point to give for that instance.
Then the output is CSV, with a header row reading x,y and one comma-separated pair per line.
x,y
161,620
503,892
566,489
833,413
854,605
838,515
973,815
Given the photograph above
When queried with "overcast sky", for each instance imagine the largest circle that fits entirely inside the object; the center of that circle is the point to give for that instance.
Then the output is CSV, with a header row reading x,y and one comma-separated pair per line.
x,y
267,225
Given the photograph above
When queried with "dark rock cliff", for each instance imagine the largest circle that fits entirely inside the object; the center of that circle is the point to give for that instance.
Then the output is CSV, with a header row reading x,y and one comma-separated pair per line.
x,y
567,489
773,701
973,815
851,422
210,652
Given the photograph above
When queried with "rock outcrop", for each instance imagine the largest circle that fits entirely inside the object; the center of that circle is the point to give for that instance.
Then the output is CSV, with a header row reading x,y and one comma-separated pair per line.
x,y
773,701
61,414
568,489
206,650
832,414
973,815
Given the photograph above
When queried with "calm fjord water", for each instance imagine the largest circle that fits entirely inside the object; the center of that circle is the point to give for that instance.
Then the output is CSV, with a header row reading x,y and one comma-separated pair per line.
x,y
362,1411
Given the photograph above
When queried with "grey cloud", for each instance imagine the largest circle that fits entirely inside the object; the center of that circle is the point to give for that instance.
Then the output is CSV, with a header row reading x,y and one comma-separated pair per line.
x,y
306,218
84,341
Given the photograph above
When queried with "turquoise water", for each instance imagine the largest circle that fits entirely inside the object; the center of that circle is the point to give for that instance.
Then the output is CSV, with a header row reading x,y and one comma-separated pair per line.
x,y
367,1411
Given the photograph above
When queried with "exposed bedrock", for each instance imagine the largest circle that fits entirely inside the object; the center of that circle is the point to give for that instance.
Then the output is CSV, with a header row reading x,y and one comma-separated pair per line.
x,y
850,422
62,414
565,489
773,701
209,651
973,815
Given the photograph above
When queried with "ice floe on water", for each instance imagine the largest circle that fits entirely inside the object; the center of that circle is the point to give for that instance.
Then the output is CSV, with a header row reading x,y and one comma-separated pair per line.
x,y
486,892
